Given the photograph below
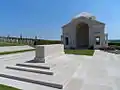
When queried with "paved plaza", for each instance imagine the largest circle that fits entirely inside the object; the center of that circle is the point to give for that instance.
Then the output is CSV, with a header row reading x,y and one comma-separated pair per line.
x,y
74,72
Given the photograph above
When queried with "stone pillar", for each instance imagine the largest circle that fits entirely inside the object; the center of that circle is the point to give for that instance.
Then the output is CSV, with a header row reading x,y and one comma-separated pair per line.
x,y
106,36
11,40
0,39
25,41
14,40
44,52
17,40
3,39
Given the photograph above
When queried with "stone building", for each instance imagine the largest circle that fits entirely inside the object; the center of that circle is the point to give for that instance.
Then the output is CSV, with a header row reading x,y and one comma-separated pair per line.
x,y
84,31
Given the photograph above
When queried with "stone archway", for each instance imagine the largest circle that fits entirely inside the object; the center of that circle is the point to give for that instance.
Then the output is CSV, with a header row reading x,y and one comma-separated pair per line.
x,y
82,35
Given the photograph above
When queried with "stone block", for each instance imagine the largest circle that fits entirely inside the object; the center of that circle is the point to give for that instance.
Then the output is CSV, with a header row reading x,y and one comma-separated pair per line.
x,y
44,52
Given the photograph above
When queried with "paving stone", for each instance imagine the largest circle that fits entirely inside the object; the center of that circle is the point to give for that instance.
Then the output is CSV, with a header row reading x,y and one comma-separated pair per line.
x,y
75,72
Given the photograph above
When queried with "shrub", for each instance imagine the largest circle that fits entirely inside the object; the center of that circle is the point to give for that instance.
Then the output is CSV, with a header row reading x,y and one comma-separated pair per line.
x,y
114,43
72,48
91,47
107,48
116,47
43,42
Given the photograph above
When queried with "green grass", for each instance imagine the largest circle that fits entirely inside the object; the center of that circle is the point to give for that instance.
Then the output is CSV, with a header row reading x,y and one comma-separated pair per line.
x,y
12,52
4,87
80,52
10,44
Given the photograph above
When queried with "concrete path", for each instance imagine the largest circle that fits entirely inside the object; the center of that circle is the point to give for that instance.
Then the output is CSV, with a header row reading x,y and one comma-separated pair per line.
x,y
75,72
15,48
102,72
12,59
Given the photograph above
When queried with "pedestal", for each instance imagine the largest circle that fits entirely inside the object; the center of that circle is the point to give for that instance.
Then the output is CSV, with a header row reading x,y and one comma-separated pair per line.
x,y
44,52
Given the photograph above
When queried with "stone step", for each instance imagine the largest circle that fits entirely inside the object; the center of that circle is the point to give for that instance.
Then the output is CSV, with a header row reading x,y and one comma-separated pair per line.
x,y
34,65
28,69
41,79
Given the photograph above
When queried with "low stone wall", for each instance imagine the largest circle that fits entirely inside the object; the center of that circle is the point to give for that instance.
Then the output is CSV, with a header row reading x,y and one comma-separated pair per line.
x,y
44,52
14,48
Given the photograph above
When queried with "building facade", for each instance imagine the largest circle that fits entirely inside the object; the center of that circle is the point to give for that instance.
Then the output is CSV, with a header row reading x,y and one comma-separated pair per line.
x,y
84,31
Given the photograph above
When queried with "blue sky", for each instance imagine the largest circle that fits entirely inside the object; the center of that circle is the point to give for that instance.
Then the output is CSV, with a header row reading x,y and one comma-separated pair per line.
x,y
44,18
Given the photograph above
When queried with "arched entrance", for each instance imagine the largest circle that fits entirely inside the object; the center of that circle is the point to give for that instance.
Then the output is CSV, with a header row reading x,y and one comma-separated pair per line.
x,y
82,35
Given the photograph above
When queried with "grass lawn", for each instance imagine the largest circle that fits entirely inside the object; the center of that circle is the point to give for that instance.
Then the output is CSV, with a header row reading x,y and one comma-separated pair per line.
x,y
12,52
80,52
4,87
9,44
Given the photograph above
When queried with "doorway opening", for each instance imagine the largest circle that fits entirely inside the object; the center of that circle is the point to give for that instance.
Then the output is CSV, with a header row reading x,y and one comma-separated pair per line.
x,y
66,41
82,35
